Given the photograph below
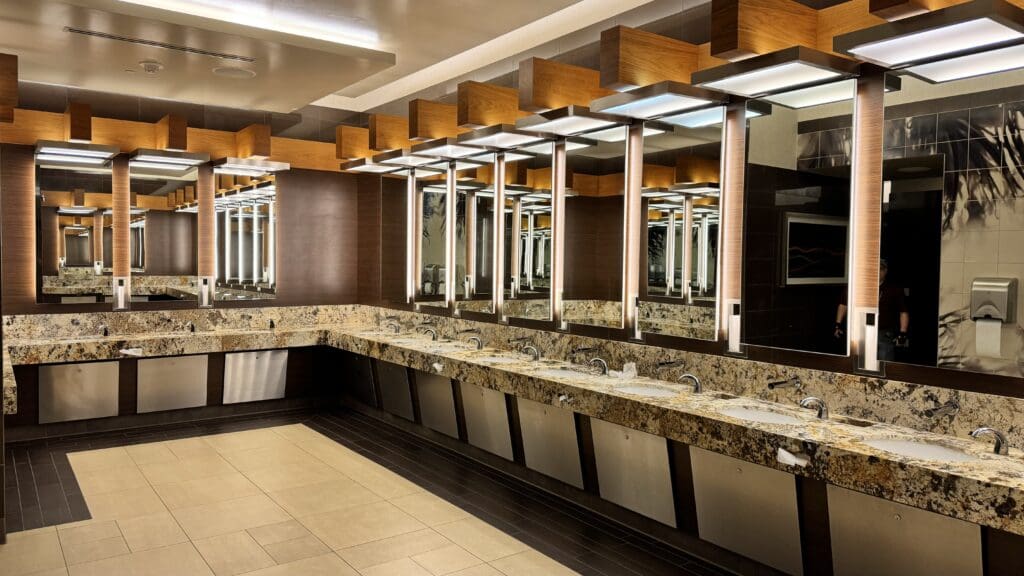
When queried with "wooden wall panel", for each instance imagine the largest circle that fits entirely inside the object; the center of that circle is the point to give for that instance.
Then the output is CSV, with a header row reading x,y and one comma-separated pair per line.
x,y
730,265
18,250
253,141
743,28
171,133
867,190
121,197
632,58
429,120
352,142
483,104
78,122
216,143
546,85
206,223
368,190
171,244
691,168
842,18
306,154
8,86
659,176
389,132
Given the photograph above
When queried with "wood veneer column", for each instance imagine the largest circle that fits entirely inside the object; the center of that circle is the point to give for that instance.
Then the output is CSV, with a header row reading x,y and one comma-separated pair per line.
x,y
206,218
121,218
632,228
730,265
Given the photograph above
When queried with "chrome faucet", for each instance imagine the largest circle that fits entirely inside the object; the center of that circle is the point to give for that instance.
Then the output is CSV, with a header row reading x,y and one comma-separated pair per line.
x,y
191,327
272,324
429,330
103,330
697,386
1001,446
950,408
532,351
791,382
395,326
601,365
476,340
813,402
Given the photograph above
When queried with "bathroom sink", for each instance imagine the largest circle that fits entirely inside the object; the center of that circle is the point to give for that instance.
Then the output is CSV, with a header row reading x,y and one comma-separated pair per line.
x,y
919,450
651,391
758,415
498,360
560,373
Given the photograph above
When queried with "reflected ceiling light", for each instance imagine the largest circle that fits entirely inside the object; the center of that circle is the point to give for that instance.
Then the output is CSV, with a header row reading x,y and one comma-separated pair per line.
x,y
1001,60
568,121
367,165
435,189
165,160
445,148
960,30
517,190
248,166
504,136
713,116
659,192
75,210
132,210
402,157
74,153
665,206
779,71
705,189
458,164
657,100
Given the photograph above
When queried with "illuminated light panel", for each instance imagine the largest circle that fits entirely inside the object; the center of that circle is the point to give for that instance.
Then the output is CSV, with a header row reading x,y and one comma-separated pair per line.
x,y
402,158
158,166
571,125
815,95
1001,60
618,133
368,166
700,118
547,147
445,148
247,166
75,210
503,136
773,79
936,42
697,189
656,106
71,159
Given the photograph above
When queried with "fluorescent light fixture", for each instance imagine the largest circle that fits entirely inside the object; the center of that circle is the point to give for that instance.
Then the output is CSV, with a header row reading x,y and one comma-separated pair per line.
x,y
547,147
458,164
780,71
815,95
660,193
247,166
960,30
568,121
367,165
657,100
132,210
502,136
74,153
970,66
705,189
435,189
402,157
445,148
174,158
64,159
75,210
618,133
713,116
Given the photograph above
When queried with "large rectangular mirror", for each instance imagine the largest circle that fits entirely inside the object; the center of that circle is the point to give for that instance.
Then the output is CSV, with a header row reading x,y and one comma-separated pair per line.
x,y
431,231
952,244
680,194
474,235
796,224
527,221
246,223
163,237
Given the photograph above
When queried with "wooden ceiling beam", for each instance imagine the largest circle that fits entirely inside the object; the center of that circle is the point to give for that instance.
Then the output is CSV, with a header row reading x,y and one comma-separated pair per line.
x,y
253,141
429,120
631,58
352,142
388,132
171,133
78,122
546,85
8,86
481,105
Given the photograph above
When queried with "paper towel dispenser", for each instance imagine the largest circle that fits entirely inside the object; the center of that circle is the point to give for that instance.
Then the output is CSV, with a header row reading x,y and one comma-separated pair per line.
x,y
994,298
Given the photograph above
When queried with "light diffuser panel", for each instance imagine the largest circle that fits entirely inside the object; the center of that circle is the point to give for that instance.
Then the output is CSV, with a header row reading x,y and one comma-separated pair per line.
x,y
935,42
990,62
773,79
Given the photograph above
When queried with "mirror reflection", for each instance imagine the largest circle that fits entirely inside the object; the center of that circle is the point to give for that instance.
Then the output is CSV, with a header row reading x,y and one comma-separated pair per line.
x,y
163,236
474,234
432,198
246,219
528,249
796,219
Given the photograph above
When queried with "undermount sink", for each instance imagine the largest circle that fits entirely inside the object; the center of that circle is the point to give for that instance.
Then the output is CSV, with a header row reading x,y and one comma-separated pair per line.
x,y
759,415
651,391
498,360
560,373
919,450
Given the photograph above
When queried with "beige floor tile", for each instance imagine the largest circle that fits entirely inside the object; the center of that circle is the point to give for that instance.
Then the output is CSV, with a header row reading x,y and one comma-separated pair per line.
x,y
176,560
299,433
430,509
481,570
147,532
360,524
103,459
388,549
190,448
206,490
402,567
150,453
280,532
274,478
481,539
28,552
446,560
125,504
297,549
326,565
323,497
55,572
110,480
530,563
335,455
229,516
234,553
186,469
94,550
245,440
383,482
278,455
88,531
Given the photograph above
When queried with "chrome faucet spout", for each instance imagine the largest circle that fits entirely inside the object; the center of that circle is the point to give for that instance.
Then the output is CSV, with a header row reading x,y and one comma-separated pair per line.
x,y
532,351
601,365
1001,446
666,364
791,382
431,331
476,340
950,408
813,402
697,386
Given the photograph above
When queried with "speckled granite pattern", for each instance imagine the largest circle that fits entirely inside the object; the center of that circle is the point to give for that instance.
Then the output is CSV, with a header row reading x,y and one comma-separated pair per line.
x,y
71,285
672,319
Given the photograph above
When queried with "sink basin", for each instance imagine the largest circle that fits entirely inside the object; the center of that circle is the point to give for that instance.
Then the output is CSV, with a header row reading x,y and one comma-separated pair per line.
x,y
919,450
651,391
560,373
762,416
498,360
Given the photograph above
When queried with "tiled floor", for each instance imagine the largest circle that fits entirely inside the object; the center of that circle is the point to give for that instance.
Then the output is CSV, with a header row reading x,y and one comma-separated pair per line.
x,y
329,494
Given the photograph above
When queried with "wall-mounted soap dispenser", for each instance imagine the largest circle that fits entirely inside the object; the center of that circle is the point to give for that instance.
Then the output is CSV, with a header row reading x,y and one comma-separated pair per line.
x,y
122,292
207,285
993,305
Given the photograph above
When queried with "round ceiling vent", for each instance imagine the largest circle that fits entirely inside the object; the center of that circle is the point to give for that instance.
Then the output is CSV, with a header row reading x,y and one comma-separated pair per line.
x,y
233,72
151,67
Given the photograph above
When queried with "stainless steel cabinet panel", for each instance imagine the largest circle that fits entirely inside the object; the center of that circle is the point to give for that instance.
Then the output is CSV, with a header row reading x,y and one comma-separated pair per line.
x,y
77,391
878,537
395,394
632,470
172,383
549,441
487,419
437,403
251,376
747,508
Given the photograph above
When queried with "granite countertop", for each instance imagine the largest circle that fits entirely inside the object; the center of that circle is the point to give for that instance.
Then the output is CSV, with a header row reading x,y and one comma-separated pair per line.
x,y
978,487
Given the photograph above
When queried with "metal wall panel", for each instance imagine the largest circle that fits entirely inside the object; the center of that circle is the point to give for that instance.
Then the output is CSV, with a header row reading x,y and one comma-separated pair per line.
x,y
549,441
395,394
251,376
487,419
633,471
437,403
171,383
77,391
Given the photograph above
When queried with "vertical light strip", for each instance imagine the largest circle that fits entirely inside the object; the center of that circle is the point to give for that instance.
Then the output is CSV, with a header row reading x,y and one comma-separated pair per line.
x,y
632,228
257,268
450,205
272,241
515,261
498,235
411,257
687,250
730,264
97,240
121,239
670,253
531,247
417,233
702,255
557,232
241,239
471,234
227,245
866,216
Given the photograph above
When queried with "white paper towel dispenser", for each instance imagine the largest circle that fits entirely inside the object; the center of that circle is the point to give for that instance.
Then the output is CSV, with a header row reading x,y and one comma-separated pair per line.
x,y
994,299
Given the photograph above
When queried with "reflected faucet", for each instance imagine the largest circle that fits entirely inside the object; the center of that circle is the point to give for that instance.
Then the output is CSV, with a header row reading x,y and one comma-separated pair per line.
x,y
476,340
272,324
1001,446
600,364
103,330
950,408
532,351
813,402
791,382
697,386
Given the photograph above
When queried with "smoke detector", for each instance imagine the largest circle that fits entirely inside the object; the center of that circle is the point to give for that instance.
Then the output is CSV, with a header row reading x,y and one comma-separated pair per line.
x,y
151,67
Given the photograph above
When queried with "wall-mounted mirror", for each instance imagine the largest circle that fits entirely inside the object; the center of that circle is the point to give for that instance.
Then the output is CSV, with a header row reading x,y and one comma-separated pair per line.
x,y
953,218
246,219
527,220
431,230
680,194
796,224
163,235
474,235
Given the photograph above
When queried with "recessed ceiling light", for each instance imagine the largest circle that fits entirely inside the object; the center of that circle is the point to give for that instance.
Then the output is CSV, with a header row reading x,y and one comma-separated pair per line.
x,y
657,100
504,136
780,71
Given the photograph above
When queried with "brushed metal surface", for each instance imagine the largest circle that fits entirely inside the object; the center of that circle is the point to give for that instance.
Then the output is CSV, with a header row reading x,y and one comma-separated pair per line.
x,y
395,394
251,376
747,508
487,419
171,383
901,539
632,470
549,441
437,403
77,391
